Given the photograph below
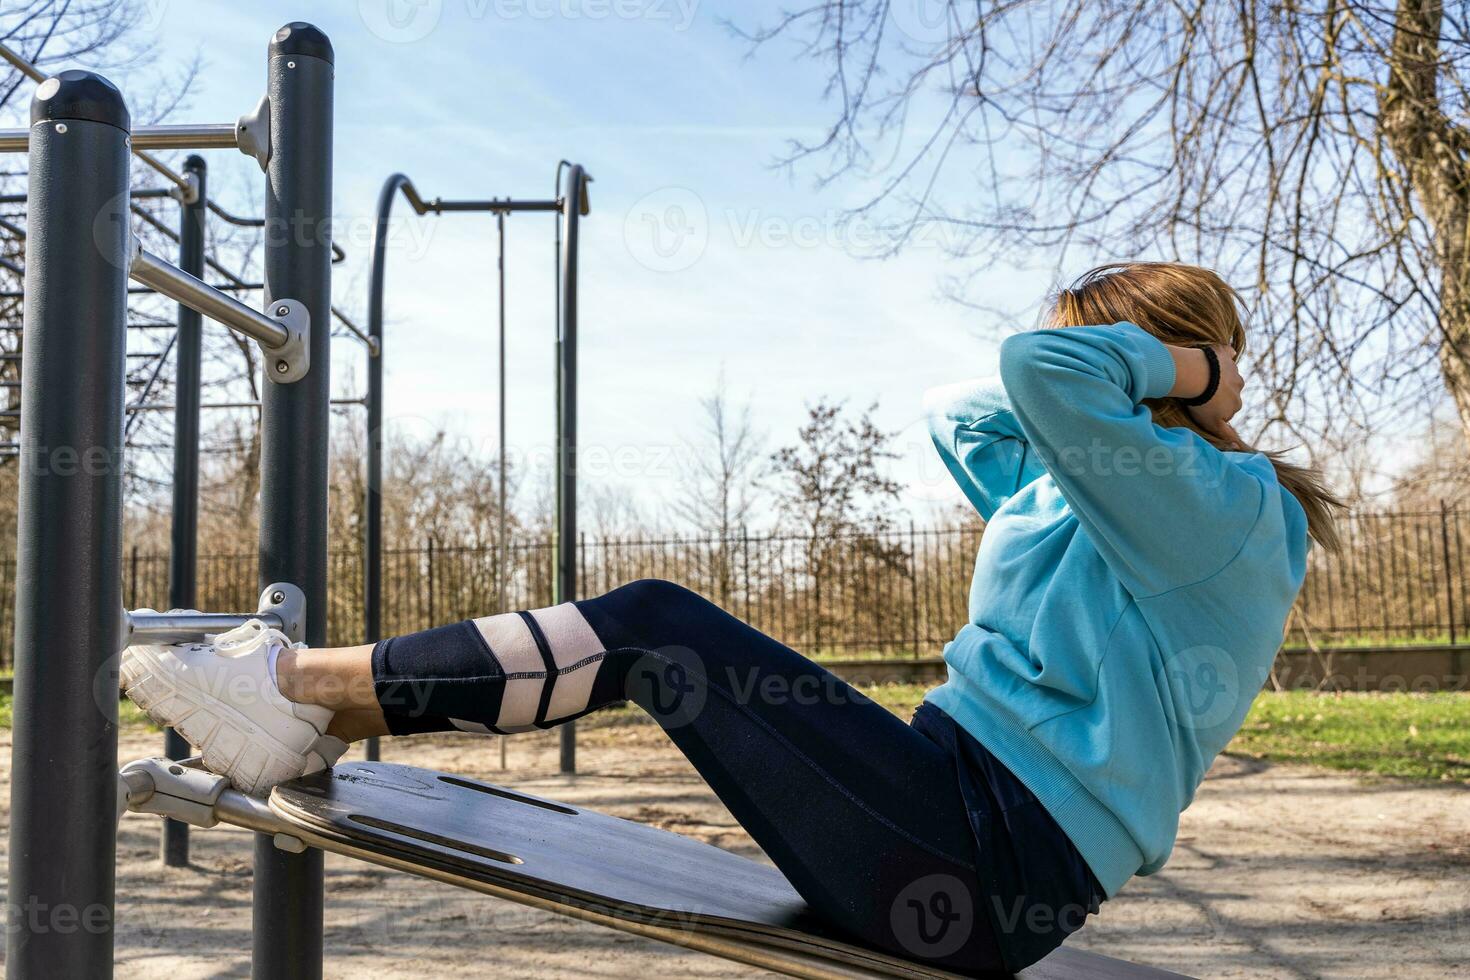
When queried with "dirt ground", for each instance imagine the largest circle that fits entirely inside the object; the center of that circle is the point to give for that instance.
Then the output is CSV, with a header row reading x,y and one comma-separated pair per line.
x,y
1279,872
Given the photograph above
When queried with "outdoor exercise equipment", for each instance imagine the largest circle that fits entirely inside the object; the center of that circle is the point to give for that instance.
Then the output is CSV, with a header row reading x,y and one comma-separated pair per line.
x,y
569,207
80,252
189,190
67,793
557,858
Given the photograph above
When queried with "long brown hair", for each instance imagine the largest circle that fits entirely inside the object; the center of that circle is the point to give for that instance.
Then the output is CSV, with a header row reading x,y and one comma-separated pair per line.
x,y
1186,305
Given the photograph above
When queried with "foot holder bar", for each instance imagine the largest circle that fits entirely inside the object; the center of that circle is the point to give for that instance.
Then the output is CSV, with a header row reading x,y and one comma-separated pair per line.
x,y
282,605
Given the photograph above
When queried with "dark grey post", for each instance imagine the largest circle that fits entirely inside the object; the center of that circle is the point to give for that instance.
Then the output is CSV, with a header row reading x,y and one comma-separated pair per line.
x,y
294,432
184,533
68,626
566,421
372,574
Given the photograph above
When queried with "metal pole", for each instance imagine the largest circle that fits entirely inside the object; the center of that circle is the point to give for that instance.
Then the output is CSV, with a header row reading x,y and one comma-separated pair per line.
x,y
500,542
184,533
566,420
294,435
372,578
500,568
68,627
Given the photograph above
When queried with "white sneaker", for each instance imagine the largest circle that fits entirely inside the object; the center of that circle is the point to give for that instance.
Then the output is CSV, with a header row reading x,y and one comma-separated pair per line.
x,y
223,699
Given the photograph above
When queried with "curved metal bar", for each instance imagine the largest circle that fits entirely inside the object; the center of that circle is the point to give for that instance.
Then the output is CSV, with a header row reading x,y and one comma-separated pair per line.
x,y
372,573
338,254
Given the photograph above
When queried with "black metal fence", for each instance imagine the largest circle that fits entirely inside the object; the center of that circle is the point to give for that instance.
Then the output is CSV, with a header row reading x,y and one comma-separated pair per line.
x,y
894,592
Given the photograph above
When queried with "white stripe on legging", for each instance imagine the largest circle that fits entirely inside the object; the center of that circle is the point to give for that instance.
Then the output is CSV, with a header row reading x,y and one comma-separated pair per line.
x,y
514,648
572,641
574,649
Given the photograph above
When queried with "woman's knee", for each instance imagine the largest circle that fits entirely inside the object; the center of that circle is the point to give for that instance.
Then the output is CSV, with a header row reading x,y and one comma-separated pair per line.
x,y
657,594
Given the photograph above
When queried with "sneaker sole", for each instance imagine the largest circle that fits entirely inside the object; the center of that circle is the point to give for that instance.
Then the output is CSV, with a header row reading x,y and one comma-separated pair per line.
x,y
231,744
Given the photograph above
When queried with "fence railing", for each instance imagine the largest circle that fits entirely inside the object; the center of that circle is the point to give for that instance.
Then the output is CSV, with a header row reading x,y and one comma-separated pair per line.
x,y
892,592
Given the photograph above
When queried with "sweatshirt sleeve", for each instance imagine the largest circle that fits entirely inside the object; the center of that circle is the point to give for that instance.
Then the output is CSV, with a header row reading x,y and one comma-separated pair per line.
x,y
1162,506
980,442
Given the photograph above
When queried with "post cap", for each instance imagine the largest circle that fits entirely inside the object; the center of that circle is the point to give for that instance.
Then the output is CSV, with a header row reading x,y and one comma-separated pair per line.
x,y
303,39
76,94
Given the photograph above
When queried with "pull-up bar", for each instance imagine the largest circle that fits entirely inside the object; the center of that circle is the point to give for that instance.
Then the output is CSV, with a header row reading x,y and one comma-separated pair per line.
x,y
569,208
186,186
189,136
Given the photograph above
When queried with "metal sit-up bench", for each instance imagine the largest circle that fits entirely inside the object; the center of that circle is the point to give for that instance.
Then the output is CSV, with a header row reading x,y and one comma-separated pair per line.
x,y
67,792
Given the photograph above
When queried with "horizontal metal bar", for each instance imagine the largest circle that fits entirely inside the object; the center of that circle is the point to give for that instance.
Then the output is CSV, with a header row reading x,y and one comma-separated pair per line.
x,y
161,407
37,75
370,342
147,626
189,136
176,284
137,195
338,253
234,219
18,328
224,287
494,205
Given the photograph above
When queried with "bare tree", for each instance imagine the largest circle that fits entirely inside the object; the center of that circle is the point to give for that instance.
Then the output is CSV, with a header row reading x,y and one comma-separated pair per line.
x,y
1314,152
833,492
720,470
720,466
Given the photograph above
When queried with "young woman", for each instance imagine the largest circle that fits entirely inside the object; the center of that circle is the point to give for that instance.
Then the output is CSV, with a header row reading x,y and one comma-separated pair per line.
x,y
1128,599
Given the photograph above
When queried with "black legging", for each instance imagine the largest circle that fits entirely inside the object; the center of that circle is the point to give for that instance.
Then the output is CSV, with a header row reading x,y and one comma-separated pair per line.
x,y
861,812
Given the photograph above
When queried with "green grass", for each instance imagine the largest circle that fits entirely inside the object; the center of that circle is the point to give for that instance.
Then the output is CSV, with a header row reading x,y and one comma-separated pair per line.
x,y
1415,736
128,714
1419,736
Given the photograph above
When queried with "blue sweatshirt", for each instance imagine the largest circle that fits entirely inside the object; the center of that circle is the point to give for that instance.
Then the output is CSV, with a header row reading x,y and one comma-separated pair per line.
x,y
1130,591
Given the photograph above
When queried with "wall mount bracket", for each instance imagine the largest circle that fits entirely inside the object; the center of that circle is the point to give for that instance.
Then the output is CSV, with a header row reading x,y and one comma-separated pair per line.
x,y
253,132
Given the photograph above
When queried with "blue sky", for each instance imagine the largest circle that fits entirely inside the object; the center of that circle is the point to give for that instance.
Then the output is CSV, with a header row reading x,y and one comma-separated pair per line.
x,y
751,272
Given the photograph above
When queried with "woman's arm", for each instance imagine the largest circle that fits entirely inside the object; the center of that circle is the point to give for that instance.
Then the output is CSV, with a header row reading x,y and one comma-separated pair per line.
x,y
980,442
1162,506
1192,376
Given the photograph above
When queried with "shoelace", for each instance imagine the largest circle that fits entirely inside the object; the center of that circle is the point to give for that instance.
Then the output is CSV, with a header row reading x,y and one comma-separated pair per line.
x,y
249,636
